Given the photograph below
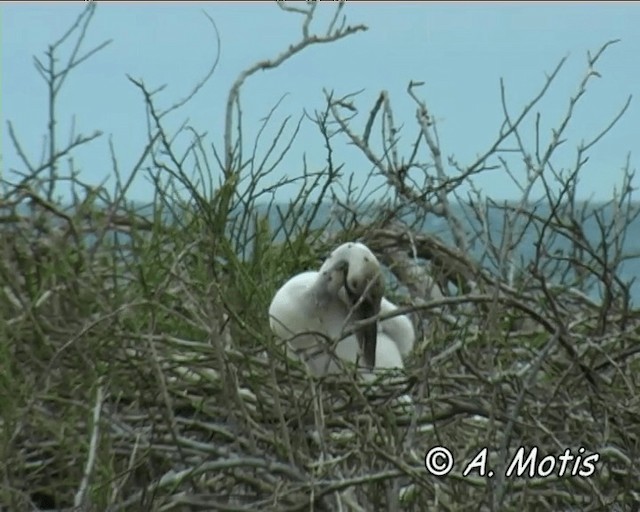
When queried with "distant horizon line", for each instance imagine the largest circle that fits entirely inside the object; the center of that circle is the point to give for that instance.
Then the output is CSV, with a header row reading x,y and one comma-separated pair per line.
x,y
581,201
595,203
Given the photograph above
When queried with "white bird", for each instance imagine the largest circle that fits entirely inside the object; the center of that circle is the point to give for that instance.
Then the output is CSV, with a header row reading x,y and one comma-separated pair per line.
x,y
313,309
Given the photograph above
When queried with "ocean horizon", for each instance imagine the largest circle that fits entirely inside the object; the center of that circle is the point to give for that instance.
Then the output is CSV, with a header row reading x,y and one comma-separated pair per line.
x,y
522,255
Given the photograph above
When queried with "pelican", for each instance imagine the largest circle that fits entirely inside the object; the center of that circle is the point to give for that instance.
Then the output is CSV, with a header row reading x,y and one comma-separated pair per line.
x,y
313,308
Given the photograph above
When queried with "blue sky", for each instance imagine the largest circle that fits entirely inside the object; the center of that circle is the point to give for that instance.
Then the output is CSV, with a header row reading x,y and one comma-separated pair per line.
x,y
459,50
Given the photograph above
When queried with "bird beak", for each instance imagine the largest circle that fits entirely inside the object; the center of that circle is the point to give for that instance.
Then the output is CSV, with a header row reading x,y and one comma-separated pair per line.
x,y
368,335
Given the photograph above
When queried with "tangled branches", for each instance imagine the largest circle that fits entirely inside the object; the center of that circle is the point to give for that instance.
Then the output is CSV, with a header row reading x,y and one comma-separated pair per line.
x,y
139,372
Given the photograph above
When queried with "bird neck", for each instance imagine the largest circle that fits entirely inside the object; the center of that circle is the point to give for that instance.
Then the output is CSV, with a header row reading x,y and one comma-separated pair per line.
x,y
327,285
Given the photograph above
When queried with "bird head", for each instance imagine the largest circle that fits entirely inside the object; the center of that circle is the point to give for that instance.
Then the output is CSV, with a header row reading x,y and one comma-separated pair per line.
x,y
362,288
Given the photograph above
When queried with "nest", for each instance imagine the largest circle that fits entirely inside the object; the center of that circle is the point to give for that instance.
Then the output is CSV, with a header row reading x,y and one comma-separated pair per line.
x,y
179,400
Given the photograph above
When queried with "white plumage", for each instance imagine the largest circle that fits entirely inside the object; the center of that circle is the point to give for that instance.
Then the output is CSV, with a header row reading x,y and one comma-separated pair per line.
x,y
313,309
